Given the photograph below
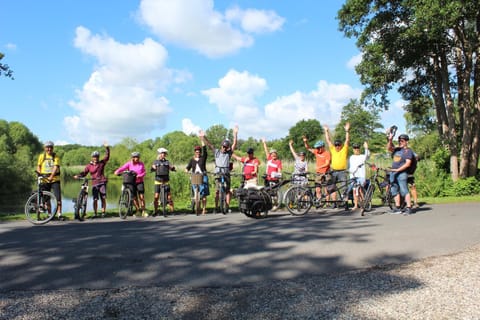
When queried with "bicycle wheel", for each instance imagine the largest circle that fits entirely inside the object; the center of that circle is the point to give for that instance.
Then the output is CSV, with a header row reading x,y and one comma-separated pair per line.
x,y
365,201
81,205
41,208
163,199
298,200
223,200
125,203
196,199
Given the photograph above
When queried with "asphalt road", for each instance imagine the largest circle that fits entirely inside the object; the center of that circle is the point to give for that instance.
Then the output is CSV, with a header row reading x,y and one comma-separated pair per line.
x,y
216,250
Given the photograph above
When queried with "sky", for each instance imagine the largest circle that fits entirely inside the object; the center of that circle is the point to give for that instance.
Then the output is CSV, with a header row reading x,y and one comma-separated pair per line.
x,y
90,71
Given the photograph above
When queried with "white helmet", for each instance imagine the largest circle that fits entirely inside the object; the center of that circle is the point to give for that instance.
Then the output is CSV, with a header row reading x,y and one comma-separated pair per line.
x,y
162,150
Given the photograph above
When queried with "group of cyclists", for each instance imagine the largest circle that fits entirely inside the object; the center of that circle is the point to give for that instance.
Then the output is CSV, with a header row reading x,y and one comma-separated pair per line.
x,y
333,162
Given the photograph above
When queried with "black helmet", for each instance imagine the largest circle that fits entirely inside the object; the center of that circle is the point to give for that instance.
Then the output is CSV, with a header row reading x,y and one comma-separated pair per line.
x,y
226,143
95,154
403,136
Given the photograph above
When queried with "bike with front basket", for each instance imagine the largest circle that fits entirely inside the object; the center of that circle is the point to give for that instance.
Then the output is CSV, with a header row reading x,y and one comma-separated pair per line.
x,y
41,205
125,203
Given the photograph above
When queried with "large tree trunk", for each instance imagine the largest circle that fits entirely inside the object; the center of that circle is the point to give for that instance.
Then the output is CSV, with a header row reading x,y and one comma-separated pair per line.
x,y
450,108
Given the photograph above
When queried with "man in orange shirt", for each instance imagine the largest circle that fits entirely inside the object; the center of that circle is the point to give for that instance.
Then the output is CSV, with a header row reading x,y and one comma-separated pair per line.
x,y
323,159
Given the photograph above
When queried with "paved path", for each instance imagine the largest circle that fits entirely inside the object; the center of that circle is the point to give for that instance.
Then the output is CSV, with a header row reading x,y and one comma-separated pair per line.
x,y
216,250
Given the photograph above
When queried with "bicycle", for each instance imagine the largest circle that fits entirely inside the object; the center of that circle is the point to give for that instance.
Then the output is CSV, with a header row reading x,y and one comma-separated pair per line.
x,y
80,203
196,179
382,184
221,184
163,197
125,203
41,205
300,199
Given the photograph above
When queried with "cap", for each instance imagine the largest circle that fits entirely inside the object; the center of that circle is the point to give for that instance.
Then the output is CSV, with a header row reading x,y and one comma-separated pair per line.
x,y
302,153
337,143
356,146
135,154
404,137
273,151
95,154
250,150
48,144
162,150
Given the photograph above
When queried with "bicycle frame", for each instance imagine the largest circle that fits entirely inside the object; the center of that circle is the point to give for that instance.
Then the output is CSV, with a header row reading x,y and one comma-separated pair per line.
x,y
41,206
80,204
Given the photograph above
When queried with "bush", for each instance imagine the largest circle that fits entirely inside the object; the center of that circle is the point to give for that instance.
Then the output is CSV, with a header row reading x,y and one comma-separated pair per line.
x,y
464,187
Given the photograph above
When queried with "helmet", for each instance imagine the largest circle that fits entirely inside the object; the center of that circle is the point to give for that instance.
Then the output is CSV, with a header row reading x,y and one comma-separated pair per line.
x,y
302,153
162,150
273,151
356,146
337,143
197,148
226,143
135,154
319,144
250,150
403,136
95,154
48,144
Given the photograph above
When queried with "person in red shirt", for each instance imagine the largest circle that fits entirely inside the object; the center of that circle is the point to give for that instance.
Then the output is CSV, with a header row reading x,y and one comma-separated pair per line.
x,y
323,159
96,168
250,168
274,165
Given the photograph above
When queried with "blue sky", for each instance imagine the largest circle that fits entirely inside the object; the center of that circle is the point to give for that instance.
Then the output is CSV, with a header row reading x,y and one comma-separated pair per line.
x,y
93,71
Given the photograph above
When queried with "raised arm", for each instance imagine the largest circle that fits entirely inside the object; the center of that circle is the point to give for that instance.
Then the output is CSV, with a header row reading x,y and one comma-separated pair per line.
x,y
327,136
305,143
235,135
390,147
347,133
204,140
292,150
264,142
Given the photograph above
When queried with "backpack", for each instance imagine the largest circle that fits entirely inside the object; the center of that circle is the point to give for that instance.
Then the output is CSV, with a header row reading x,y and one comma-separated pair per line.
x,y
413,164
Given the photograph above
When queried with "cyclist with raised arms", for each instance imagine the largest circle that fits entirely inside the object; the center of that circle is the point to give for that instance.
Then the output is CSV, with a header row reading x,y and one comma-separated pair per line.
x,y
401,160
138,191
322,163
223,157
96,168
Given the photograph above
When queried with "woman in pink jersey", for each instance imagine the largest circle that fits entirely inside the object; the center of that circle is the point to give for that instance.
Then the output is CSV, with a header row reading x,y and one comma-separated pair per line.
x,y
138,167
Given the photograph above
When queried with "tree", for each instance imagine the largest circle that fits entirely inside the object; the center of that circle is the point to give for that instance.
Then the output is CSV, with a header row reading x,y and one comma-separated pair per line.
x,y
363,126
429,51
5,69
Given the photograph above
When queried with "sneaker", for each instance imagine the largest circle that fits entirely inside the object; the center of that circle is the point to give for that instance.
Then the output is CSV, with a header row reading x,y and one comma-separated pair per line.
x,y
415,205
396,211
274,208
144,214
407,212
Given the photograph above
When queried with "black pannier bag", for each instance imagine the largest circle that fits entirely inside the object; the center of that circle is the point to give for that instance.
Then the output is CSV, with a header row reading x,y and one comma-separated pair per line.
x,y
254,203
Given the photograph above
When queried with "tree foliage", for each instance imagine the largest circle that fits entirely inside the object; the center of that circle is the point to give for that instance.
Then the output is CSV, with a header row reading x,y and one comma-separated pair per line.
x,y
429,51
5,69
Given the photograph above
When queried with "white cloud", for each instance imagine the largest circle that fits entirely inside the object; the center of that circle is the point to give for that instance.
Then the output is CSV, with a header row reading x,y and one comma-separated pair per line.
x,y
237,94
354,61
11,46
197,25
255,21
188,127
120,99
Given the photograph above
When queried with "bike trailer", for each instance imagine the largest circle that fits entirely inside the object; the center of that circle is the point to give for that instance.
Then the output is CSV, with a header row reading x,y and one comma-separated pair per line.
x,y
254,202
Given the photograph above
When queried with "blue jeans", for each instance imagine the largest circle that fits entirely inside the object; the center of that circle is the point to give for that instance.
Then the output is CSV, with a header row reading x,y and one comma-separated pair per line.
x,y
398,180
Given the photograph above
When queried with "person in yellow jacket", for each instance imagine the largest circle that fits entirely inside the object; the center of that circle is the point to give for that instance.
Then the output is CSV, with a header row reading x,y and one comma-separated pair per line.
x,y
339,152
49,164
